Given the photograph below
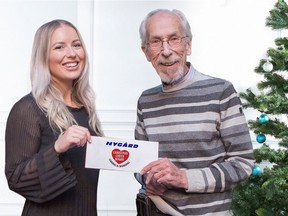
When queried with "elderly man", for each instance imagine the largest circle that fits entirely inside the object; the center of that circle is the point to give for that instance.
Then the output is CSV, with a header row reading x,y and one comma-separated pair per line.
x,y
205,148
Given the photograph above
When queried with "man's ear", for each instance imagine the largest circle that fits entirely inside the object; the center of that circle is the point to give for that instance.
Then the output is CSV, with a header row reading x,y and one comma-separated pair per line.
x,y
189,47
146,52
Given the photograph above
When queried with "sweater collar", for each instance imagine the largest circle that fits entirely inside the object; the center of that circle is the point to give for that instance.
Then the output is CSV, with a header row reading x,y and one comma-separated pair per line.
x,y
183,83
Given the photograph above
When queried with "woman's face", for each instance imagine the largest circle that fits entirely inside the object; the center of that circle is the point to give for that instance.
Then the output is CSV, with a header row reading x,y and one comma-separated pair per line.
x,y
67,56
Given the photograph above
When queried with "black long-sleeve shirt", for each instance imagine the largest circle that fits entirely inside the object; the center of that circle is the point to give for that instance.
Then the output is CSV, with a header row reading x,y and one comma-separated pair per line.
x,y
52,185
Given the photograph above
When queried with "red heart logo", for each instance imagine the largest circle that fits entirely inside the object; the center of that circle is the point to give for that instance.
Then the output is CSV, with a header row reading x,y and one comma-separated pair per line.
x,y
120,156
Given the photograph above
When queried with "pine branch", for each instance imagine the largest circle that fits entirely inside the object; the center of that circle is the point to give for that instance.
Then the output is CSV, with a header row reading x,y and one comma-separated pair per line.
x,y
278,16
278,157
274,128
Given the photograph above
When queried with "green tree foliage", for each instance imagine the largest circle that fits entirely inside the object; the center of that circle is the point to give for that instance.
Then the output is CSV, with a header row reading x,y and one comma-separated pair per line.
x,y
266,194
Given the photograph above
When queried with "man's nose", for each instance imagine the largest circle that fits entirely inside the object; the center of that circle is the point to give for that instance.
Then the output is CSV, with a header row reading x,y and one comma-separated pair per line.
x,y
166,49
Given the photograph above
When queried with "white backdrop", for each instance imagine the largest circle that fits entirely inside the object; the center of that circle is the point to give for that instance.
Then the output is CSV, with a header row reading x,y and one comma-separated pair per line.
x,y
229,39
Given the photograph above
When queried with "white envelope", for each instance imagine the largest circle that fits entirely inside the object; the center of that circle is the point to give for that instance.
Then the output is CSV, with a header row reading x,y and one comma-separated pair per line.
x,y
120,154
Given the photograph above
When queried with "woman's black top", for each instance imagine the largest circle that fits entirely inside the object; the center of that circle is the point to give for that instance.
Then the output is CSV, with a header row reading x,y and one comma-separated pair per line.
x,y
53,185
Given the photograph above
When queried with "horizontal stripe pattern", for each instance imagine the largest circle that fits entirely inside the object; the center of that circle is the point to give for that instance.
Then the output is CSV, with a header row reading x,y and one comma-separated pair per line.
x,y
200,128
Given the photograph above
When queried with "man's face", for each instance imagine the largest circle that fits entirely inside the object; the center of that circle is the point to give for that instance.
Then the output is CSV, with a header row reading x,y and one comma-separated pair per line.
x,y
169,59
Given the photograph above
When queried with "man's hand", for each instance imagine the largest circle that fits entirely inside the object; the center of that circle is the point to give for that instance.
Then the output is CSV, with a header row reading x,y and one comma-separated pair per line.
x,y
163,174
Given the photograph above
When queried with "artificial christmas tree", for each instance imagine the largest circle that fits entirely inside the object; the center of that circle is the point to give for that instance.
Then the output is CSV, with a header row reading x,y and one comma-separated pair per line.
x,y
265,192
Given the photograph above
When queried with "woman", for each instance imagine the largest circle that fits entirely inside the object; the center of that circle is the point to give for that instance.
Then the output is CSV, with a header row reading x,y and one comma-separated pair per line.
x,y
47,130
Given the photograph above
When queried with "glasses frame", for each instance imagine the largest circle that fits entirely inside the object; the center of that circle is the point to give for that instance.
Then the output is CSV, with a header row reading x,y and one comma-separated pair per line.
x,y
148,44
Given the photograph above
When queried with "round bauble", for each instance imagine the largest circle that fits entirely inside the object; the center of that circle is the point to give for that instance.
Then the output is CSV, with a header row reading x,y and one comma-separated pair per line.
x,y
261,138
263,119
267,66
256,170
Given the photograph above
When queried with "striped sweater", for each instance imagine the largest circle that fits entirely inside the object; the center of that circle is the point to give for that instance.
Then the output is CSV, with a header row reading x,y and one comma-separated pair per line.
x,y
201,128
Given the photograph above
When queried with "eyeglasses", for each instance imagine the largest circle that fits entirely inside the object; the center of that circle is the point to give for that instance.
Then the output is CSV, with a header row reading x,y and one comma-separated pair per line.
x,y
173,42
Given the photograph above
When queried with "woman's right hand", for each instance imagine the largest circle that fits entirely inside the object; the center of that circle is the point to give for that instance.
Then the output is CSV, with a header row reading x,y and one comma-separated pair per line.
x,y
74,136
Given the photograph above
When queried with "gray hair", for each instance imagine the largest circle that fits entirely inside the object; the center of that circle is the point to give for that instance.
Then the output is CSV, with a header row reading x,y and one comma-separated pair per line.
x,y
48,97
184,23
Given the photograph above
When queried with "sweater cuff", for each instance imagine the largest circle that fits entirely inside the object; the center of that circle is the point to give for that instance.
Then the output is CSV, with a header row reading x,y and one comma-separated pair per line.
x,y
196,181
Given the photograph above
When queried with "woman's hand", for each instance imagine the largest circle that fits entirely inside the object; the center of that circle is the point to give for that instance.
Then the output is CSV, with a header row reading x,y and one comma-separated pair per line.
x,y
73,136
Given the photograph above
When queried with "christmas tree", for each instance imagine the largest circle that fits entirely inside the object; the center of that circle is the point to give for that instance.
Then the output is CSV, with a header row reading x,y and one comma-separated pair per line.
x,y
265,192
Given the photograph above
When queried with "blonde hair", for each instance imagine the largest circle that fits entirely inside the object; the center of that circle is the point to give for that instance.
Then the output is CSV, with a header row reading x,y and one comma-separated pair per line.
x,y
48,97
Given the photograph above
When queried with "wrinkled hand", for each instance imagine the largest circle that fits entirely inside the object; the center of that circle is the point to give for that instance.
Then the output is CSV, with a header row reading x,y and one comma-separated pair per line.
x,y
154,188
163,173
73,136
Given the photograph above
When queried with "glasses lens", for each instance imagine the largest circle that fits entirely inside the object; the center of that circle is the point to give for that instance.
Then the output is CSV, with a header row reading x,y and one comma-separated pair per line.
x,y
155,44
173,42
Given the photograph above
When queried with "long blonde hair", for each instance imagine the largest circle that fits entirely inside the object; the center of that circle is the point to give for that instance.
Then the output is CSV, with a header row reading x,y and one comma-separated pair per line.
x,y
47,95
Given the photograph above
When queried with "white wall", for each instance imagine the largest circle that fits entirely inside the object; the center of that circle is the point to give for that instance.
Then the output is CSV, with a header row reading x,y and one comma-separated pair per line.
x,y
229,39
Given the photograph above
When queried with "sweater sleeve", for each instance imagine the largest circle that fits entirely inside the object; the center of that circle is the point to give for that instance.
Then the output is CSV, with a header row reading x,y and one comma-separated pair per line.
x,y
140,133
33,169
239,158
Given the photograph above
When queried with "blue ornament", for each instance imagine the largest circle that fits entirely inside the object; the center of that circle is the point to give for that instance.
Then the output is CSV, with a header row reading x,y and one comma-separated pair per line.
x,y
263,119
261,138
256,170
